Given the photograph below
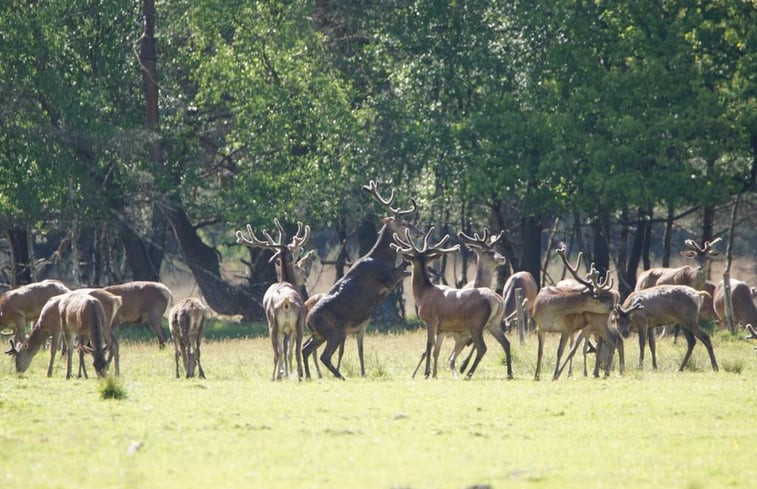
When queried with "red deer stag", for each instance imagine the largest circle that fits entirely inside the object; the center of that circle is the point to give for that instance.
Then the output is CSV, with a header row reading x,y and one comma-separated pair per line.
x,y
23,305
562,308
742,298
349,304
282,302
488,259
142,302
461,313
693,276
185,320
643,310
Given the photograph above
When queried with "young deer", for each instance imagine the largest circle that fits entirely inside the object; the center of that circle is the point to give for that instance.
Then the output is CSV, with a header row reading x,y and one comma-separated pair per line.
x,y
561,309
661,305
186,322
742,298
282,302
349,304
461,313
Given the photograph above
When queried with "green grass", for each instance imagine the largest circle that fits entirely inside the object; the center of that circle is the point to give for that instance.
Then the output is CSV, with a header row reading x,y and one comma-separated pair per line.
x,y
239,429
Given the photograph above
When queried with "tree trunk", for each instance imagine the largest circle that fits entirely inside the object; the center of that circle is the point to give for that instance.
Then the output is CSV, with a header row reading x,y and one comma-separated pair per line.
x,y
668,236
601,228
634,255
647,239
20,261
204,262
138,258
531,261
623,288
148,60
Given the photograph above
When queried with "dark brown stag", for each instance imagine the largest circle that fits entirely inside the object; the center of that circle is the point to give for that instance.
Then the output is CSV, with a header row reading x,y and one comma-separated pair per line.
x,y
351,301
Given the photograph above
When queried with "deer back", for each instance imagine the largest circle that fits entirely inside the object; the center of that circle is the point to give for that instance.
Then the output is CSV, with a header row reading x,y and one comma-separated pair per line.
x,y
27,301
140,300
662,305
519,280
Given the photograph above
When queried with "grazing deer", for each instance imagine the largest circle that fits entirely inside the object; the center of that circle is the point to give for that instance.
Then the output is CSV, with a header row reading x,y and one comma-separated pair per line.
x,y
693,276
185,320
742,299
24,304
71,316
561,309
461,313
661,305
351,301
111,303
142,302
282,302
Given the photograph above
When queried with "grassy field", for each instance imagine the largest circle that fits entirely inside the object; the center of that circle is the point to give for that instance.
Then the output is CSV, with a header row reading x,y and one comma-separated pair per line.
x,y
694,429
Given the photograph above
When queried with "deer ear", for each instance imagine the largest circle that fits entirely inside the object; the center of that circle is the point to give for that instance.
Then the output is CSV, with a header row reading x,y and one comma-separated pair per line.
x,y
689,253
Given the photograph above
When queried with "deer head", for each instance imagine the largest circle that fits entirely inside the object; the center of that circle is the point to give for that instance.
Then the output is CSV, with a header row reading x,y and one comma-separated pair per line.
x,y
484,245
701,254
282,252
397,218
426,252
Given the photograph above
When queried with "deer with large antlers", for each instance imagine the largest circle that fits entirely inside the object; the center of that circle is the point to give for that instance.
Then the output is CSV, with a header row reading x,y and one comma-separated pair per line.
x,y
348,305
24,304
282,302
693,276
460,313
562,308
643,310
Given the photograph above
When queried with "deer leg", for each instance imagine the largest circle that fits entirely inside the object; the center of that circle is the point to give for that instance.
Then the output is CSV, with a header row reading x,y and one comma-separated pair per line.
x,y
54,345
423,357
298,348
690,341
705,339
331,346
156,328
642,345
478,342
437,349
499,335
360,336
568,359
276,353
114,350
653,349
69,354
465,362
539,353
177,353
560,348
459,345
198,339
430,340
309,348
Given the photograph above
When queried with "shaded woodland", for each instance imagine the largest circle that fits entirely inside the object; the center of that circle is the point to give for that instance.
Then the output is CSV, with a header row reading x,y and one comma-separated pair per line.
x,y
133,133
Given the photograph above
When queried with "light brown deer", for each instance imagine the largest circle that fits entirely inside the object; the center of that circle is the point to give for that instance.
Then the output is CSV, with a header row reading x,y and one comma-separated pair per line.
x,y
561,309
186,319
351,301
69,317
661,305
742,299
693,276
460,313
142,301
282,302
488,259
111,304
24,304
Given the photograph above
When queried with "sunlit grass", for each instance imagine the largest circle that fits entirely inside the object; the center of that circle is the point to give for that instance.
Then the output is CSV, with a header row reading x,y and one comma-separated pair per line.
x,y
645,429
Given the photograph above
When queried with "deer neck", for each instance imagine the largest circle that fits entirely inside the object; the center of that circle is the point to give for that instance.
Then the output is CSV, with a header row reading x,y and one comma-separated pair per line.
x,y
286,267
484,271
381,249
420,279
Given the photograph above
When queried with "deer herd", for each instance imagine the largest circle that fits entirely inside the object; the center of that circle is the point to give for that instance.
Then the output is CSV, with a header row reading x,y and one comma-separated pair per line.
x,y
579,309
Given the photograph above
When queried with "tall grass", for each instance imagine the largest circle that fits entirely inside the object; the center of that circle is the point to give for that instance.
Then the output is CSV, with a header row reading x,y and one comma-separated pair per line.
x,y
645,429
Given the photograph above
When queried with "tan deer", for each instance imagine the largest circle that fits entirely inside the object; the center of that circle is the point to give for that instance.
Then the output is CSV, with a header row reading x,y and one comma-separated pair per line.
x,y
282,302
693,276
111,304
186,319
142,301
562,309
661,305
24,304
460,313
742,299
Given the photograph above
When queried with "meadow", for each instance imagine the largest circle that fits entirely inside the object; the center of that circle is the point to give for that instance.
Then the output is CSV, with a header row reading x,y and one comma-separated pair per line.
x,y
694,429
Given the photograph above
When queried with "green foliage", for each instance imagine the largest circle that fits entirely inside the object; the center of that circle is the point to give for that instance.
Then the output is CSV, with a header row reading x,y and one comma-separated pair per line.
x,y
112,388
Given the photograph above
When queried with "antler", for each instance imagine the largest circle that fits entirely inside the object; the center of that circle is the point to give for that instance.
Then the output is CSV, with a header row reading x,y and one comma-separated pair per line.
x,y
706,250
299,239
407,247
625,312
252,240
594,284
480,242
372,188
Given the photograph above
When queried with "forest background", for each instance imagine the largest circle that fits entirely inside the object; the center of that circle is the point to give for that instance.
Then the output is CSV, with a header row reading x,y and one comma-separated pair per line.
x,y
137,136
